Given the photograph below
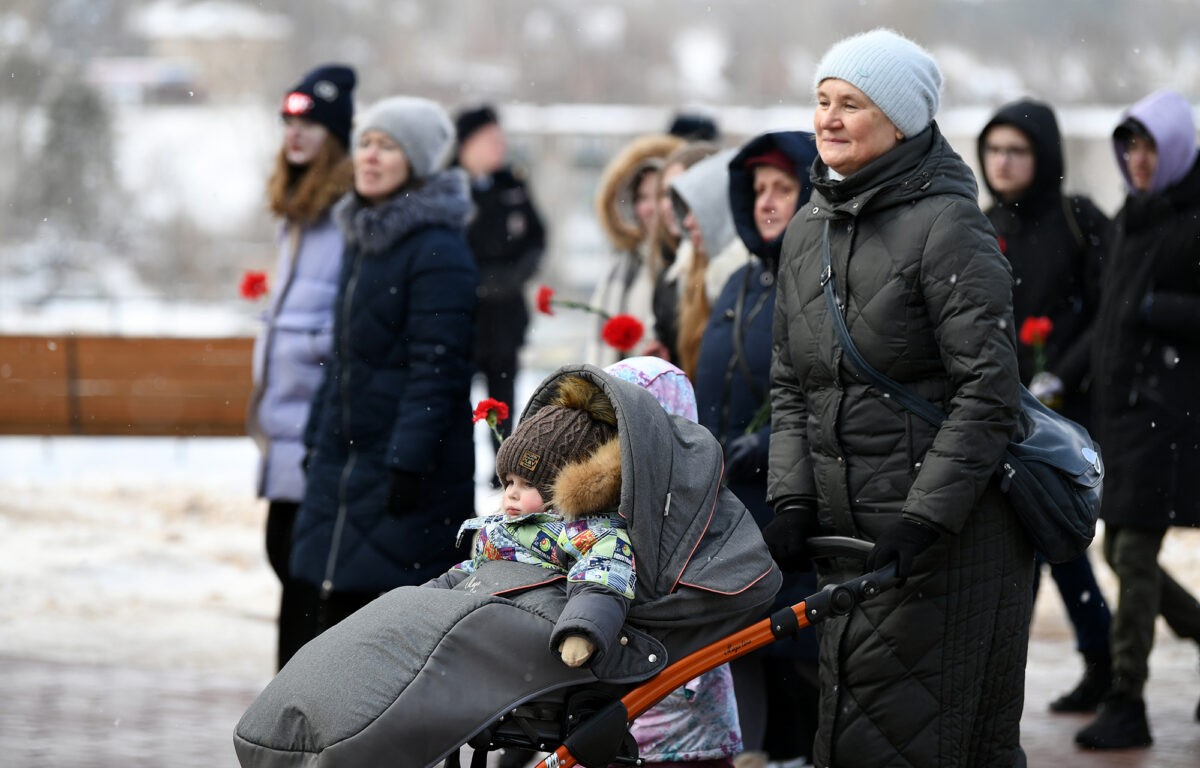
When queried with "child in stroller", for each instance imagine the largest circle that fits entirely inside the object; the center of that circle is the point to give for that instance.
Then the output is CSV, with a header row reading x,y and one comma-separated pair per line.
x,y
421,671
565,453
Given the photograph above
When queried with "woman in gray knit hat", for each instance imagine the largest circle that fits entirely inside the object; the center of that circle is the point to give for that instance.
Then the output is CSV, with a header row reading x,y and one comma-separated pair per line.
x,y
391,456
932,672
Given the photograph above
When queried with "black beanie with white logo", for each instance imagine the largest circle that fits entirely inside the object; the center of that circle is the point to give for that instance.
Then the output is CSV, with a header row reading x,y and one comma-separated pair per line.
x,y
326,96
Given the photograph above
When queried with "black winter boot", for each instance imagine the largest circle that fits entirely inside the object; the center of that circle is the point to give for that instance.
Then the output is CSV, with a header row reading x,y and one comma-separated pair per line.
x,y
1121,724
1097,680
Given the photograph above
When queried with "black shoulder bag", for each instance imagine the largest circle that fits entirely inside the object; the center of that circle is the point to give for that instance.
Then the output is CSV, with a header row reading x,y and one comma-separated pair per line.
x,y
1053,477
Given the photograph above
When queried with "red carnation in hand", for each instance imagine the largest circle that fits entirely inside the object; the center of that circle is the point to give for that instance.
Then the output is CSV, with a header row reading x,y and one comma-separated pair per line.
x,y
1033,334
545,294
493,412
1035,330
254,284
622,332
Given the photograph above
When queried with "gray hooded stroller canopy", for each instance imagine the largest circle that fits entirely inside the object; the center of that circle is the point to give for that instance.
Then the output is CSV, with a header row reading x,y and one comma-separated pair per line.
x,y
419,671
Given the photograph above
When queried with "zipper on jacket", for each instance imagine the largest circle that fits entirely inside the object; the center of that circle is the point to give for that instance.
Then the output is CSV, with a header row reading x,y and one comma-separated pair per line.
x,y
343,389
338,526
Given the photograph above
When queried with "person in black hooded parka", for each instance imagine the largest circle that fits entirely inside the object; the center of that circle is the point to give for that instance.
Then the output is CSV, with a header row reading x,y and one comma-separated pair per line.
x,y
1054,244
768,180
391,459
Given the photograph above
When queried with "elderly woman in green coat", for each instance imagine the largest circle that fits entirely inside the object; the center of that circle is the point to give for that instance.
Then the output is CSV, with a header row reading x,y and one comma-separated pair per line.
x,y
932,672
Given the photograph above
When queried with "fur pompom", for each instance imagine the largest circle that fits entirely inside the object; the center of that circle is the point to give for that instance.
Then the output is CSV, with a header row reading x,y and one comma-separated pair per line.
x,y
583,395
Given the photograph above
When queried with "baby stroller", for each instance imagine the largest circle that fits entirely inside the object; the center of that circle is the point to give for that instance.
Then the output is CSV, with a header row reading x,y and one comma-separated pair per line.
x,y
420,672
590,727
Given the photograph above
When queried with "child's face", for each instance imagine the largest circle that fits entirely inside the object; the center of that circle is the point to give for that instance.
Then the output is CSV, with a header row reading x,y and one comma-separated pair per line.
x,y
520,497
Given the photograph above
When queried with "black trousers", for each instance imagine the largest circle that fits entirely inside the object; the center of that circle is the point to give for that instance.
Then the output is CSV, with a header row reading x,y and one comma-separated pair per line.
x,y
281,516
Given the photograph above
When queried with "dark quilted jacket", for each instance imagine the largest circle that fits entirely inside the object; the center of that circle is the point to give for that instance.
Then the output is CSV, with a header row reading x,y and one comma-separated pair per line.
x,y
931,674
396,396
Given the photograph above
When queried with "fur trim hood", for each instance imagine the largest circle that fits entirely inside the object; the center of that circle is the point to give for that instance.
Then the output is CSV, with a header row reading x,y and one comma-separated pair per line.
x,y
590,485
614,198
444,199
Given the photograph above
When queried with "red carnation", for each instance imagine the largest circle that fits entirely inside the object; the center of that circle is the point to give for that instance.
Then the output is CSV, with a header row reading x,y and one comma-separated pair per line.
x,y
1035,330
545,294
493,412
483,411
1002,243
1033,334
254,284
622,332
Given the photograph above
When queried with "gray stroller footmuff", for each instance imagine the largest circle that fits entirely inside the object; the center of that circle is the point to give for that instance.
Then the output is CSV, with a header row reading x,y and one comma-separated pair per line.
x,y
402,681
418,672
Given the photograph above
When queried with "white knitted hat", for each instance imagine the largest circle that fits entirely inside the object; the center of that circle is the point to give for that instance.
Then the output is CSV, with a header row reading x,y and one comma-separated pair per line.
x,y
897,74
421,128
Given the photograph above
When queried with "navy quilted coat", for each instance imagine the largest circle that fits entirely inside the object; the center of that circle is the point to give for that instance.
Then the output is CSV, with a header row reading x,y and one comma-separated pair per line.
x,y
396,396
931,674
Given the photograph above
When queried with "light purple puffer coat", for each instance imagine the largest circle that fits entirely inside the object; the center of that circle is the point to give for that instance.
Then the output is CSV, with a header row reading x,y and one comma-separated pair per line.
x,y
290,355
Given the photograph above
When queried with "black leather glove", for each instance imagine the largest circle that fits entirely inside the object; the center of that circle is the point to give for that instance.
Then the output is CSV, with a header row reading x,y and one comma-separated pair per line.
x,y
788,533
745,457
900,543
403,490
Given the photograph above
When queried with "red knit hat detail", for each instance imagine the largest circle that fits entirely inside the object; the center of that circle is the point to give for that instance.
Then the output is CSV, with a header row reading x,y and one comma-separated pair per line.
x,y
774,158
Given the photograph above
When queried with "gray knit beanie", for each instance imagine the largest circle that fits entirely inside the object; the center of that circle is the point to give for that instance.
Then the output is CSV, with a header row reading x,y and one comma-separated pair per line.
x,y
897,74
421,128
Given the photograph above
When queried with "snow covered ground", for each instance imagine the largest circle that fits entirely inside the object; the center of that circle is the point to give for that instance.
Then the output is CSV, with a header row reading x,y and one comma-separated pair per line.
x,y
145,552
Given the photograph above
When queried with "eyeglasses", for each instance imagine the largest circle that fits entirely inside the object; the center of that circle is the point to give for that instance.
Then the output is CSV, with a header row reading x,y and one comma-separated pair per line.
x,y
1008,153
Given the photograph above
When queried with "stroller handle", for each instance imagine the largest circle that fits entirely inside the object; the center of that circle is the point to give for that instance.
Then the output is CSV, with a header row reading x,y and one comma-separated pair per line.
x,y
601,736
839,546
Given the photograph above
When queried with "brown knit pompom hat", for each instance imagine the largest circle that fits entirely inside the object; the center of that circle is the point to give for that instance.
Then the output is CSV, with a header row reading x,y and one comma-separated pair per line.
x,y
569,428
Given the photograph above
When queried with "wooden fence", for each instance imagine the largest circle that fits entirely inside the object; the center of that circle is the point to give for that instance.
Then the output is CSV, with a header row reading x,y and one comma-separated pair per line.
x,y
123,385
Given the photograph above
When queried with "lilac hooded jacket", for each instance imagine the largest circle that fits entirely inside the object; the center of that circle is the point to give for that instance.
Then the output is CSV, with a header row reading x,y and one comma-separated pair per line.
x,y
1168,119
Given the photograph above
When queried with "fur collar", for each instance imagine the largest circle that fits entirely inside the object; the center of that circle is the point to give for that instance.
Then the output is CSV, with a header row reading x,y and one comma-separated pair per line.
x,y
590,485
614,207
443,200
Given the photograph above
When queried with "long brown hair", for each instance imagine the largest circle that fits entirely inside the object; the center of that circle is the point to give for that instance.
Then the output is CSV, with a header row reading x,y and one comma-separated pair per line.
x,y
302,193
694,310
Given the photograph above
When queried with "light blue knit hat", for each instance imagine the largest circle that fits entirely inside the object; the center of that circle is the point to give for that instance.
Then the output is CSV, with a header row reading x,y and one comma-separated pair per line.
x,y
421,127
897,74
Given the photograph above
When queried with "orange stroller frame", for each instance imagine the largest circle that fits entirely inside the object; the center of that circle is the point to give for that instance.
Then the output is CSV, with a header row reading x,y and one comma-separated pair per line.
x,y
592,727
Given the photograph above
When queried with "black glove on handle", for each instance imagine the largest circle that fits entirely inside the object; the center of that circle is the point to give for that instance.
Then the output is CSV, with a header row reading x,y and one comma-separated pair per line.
x,y
788,533
900,543
403,490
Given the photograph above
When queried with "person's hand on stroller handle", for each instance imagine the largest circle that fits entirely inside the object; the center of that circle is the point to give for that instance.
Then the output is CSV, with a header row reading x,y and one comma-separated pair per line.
x,y
901,542
576,650
788,532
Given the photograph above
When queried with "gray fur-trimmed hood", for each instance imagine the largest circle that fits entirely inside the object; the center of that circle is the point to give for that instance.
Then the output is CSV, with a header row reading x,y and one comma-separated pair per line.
x,y
444,199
